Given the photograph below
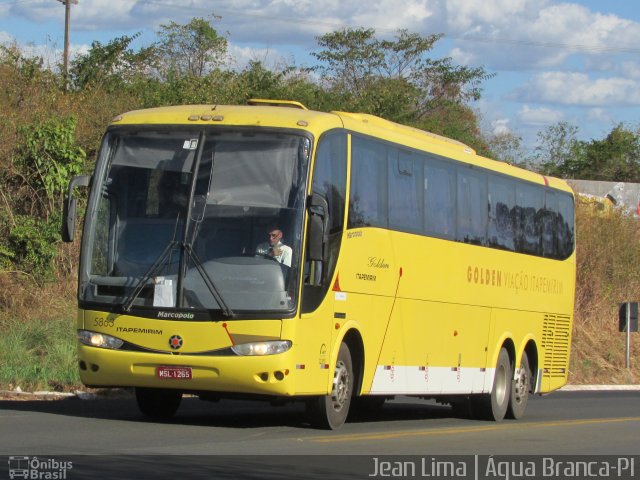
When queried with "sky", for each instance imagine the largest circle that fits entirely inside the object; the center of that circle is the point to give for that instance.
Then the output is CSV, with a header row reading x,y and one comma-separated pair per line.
x,y
575,61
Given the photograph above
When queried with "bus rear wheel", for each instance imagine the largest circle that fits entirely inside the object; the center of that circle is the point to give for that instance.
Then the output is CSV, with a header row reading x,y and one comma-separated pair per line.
x,y
493,406
158,404
520,387
330,411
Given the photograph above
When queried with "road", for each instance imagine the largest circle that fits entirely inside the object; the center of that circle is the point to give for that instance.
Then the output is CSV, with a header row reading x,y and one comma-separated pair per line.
x,y
563,423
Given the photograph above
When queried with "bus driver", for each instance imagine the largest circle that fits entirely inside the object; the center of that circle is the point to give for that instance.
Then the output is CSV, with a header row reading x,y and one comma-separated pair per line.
x,y
275,248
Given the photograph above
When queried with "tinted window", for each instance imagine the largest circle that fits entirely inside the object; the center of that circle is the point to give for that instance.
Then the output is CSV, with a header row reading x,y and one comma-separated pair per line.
x,y
548,225
564,226
368,198
330,176
446,199
439,199
502,201
529,199
405,175
329,181
472,207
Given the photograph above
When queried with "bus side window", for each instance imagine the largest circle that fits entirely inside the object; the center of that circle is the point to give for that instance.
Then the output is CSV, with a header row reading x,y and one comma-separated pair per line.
x,y
439,199
548,225
530,199
405,194
329,181
565,226
368,204
471,213
502,200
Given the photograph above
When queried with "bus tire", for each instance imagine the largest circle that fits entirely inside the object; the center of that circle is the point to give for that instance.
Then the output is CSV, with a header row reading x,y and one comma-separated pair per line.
x,y
520,387
493,406
330,411
158,404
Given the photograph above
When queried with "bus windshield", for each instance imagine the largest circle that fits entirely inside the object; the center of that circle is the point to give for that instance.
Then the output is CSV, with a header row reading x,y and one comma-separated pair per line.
x,y
196,219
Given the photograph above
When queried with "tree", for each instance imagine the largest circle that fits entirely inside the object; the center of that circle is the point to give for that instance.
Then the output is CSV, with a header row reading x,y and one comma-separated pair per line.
x,y
614,158
257,81
112,65
354,59
192,49
507,147
284,81
559,152
397,80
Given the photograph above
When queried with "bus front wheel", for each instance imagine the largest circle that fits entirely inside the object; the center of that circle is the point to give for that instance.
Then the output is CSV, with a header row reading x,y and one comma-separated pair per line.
x,y
158,404
330,411
493,406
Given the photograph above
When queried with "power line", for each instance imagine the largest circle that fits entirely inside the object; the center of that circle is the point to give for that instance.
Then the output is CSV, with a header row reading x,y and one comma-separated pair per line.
x,y
564,46
17,2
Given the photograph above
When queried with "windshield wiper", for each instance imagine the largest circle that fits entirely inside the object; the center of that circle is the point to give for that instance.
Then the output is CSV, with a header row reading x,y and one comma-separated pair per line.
x,y
151,271
191,254
224,306
126,306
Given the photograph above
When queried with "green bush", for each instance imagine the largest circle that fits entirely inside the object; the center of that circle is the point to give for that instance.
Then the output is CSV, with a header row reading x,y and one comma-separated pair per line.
x,y
32,245
46,159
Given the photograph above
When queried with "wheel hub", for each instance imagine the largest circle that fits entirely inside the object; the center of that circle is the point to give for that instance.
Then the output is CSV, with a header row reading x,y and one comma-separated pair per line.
x,y
520,385
341,386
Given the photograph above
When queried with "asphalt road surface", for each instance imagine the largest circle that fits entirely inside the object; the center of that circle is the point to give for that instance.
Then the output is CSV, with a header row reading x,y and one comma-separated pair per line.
x,y
261,441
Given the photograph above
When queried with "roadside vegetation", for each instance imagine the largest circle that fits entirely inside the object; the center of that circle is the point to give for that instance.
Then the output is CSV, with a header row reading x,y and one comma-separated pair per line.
x,y
608,255
51,127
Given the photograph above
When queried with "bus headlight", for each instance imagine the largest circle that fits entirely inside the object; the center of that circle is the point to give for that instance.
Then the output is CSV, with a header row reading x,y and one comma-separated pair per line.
x,y
100,340
262,348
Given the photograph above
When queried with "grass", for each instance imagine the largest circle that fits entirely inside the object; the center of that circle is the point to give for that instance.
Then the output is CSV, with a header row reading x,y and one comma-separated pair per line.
x,y
598,356
37,328
38,355
37,323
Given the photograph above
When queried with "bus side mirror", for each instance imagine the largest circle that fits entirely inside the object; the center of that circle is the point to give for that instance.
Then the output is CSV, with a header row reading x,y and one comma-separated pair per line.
x,y
318,227
70,206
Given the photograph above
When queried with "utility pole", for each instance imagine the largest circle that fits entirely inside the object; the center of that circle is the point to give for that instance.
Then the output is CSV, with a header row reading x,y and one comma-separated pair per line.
x,y
67,22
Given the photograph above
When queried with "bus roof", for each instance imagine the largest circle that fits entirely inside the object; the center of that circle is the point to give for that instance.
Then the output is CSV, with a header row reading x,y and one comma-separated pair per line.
x,y
294,115
258,114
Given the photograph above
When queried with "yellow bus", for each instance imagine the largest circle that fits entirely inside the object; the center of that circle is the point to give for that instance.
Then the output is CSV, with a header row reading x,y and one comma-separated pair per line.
x,y
269,251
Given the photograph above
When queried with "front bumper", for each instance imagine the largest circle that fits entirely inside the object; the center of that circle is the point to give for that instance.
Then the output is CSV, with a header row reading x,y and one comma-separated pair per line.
x,y
261,375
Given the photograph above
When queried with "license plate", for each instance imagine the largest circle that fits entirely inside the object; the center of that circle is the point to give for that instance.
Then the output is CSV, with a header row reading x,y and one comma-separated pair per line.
x,y
174,373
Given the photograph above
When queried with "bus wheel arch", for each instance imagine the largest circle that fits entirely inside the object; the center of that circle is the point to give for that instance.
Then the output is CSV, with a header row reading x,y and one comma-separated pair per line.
x,y
531,350
353,340
361,403
331,411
